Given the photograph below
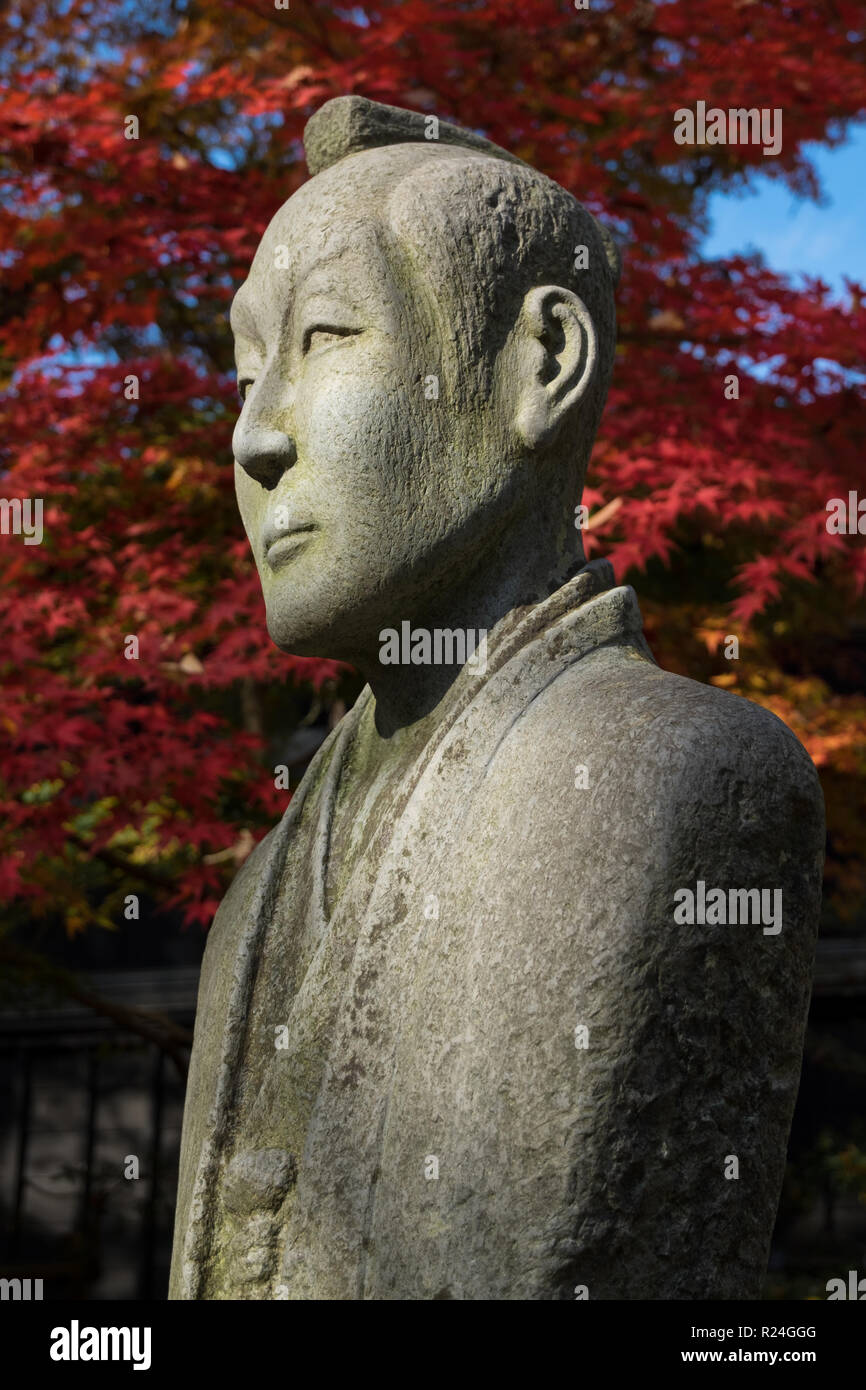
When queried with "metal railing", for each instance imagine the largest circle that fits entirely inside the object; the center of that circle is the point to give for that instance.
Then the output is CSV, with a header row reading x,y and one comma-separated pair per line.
x,y
91,1131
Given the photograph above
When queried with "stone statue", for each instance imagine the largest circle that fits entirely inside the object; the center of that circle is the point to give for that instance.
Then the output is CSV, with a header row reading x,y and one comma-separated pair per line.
x,y
510,1005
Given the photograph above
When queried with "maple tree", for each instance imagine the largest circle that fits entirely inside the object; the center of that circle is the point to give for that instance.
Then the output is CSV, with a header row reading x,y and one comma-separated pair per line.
x,y
121,256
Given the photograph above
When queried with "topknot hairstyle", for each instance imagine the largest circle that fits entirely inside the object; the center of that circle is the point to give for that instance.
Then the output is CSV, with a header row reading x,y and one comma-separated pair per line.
x,y
351,124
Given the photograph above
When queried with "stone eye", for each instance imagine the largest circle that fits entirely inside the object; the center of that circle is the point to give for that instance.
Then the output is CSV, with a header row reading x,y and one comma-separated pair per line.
x,y
320,334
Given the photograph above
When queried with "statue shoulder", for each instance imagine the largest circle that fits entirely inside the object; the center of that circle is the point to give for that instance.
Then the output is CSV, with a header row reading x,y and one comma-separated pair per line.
x,y
646,768
635,727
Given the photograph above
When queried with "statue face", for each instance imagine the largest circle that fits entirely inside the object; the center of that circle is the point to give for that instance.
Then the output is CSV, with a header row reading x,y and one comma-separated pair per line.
x,y
360,496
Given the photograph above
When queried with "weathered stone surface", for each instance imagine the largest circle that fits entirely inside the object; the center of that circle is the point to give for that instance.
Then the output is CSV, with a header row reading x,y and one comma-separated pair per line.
x,y
454,1039
349,125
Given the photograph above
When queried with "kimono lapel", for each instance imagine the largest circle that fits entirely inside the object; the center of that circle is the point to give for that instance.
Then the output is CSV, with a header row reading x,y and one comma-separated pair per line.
x,y
225,992
368,961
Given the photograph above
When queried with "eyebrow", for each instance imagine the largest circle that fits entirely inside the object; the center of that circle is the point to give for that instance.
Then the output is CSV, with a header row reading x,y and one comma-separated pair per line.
x,y
319,282
326,291
242,318
326,259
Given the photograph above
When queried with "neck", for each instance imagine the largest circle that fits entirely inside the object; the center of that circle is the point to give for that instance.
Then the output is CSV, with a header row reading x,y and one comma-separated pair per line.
x,y
408,697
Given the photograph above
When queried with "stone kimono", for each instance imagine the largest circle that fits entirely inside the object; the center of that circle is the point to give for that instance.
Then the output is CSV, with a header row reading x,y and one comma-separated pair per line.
x,y
498,1068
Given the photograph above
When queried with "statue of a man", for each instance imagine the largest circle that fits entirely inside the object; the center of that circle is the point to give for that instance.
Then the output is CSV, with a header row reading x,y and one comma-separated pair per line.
x,y
511,1002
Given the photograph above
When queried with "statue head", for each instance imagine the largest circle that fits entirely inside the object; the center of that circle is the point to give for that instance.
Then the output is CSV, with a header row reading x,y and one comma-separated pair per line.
x,y
424,345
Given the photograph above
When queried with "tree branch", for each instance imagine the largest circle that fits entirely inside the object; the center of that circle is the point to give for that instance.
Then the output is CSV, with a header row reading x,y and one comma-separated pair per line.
x,y
149,1024
153,877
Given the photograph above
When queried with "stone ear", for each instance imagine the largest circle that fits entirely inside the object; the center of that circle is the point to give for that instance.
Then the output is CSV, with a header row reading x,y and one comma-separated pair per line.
x,y
557,356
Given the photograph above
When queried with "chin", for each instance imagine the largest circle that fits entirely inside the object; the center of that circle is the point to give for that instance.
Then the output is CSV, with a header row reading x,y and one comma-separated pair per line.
x,y
297,638
335,616
299,632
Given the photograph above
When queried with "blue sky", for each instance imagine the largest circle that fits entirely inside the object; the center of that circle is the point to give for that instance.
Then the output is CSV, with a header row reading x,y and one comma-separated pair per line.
x,y
796,235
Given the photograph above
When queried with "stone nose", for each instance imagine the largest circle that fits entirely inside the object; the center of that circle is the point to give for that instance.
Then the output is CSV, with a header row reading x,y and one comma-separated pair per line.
x,y
262,451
